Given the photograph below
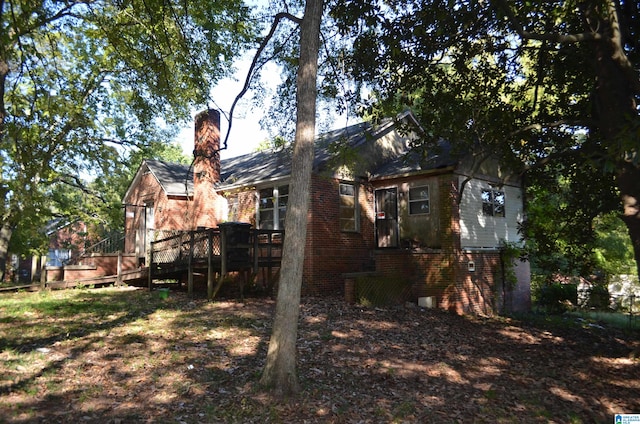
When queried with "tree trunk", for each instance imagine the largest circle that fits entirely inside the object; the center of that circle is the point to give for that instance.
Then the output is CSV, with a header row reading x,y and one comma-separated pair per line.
x,y
6,230
279,374
628,181
616,117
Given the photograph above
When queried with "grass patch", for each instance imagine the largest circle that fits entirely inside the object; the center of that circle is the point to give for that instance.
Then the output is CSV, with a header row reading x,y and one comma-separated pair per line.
x,y
613,319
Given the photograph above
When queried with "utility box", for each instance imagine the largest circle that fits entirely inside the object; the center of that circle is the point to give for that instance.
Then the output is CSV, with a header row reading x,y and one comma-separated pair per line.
x,y
236,239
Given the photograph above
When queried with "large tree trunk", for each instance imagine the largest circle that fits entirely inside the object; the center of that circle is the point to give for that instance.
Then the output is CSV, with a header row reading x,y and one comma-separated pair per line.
x,y
6,230
279,373
616,119
628,181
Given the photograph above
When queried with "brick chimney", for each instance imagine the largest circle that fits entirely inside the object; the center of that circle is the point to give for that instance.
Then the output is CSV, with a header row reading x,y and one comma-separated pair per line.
x,y
207,204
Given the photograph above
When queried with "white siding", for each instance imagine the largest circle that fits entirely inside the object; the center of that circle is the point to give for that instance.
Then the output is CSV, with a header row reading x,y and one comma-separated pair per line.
x,y
482,231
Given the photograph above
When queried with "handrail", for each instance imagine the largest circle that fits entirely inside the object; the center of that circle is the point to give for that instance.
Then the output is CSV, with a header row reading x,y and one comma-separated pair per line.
x,y
113,244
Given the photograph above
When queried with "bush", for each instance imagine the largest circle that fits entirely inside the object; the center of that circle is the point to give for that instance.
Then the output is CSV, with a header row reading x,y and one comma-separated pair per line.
x,y
557,298
381,290
598,297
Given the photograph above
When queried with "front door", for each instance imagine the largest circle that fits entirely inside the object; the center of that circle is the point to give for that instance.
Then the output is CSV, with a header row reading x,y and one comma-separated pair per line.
x,y
145,230
387,217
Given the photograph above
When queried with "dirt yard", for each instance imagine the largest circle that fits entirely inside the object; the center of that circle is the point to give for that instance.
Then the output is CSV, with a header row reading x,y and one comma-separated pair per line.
x,y
127,356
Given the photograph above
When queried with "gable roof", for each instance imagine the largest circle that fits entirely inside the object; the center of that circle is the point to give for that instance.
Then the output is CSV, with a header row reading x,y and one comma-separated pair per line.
x,y
414,162
274,164
382,151
171,177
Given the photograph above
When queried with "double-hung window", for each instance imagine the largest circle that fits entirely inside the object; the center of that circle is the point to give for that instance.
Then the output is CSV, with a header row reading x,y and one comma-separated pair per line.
x,y
493,202
419,200
272,207
348,207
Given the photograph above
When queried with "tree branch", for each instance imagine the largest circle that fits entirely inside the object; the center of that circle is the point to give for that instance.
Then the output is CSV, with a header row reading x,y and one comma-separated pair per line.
x,y
552,36
540,126
254,64
76,182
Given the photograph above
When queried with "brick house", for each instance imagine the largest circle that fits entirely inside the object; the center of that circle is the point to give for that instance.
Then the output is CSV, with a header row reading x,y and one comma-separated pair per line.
x,y
436,220
67,241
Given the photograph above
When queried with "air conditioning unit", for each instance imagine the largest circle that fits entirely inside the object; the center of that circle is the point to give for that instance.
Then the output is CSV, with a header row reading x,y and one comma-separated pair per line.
x,y
427,302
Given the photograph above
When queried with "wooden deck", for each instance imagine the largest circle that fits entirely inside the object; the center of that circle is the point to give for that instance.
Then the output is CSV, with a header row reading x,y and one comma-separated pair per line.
x,y
182,255
214,252
136,276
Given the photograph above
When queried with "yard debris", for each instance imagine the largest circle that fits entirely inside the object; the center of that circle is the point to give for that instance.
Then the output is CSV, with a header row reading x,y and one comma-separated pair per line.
x,y
141,359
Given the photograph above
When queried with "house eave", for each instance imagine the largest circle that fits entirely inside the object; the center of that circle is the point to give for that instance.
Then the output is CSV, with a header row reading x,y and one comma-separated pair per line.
x,y
265,182
427,172
179,194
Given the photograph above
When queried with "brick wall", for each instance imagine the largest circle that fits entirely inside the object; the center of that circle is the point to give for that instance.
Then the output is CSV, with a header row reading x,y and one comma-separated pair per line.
x,y
206,206
97,265
247,207
446,276
170,212
329,252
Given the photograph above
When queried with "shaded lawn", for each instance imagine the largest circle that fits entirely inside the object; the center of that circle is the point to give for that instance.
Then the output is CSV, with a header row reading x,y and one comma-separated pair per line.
x,y
124,355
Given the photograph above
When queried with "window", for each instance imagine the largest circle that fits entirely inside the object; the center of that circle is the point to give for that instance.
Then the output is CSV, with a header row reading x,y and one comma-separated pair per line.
x,y
348,207
58,257
419,200
233,208
492,202
272,207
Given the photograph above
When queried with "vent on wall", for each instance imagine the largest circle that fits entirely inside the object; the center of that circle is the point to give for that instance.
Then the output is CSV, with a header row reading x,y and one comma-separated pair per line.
x,y
427,302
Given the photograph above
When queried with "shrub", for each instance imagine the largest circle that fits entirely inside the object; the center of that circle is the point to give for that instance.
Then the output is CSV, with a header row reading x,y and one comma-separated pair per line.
x,y
556,298
598,297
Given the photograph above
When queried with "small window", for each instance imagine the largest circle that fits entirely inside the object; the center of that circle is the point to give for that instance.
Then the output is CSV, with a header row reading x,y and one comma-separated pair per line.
x,y
271,216
493,202
419,200
265,209
283,199
348,207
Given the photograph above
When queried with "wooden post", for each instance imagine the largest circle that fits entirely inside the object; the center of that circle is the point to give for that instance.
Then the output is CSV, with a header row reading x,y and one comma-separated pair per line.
x,y
150,266
270,259
190,263
223,260
43,272
34,267
210,265
256,252
119,268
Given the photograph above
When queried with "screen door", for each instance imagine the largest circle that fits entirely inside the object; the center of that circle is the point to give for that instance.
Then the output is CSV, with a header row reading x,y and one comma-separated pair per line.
x,y
387,217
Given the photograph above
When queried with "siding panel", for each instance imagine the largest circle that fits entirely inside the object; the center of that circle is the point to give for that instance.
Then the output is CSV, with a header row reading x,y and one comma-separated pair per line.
x,y
481,231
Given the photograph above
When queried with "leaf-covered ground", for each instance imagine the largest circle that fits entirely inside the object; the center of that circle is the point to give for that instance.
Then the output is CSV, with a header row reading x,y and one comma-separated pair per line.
x,y
127,356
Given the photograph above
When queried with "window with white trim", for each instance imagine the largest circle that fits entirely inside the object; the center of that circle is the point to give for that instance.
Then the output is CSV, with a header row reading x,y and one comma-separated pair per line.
x,y
493,202
419,200
348,207
272,207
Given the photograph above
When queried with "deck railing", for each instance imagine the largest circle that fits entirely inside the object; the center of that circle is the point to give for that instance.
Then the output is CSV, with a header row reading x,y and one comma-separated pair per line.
x,y
234,247
175,247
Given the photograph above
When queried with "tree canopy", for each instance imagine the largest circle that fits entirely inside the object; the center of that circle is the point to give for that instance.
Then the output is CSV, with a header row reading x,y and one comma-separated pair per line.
x,y
552,86
85,83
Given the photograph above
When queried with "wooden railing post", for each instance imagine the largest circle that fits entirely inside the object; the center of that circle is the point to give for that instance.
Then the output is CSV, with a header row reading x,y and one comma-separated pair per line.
x,y
43,272
256,252
210,264
223,260
190,263
150,266
119,268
